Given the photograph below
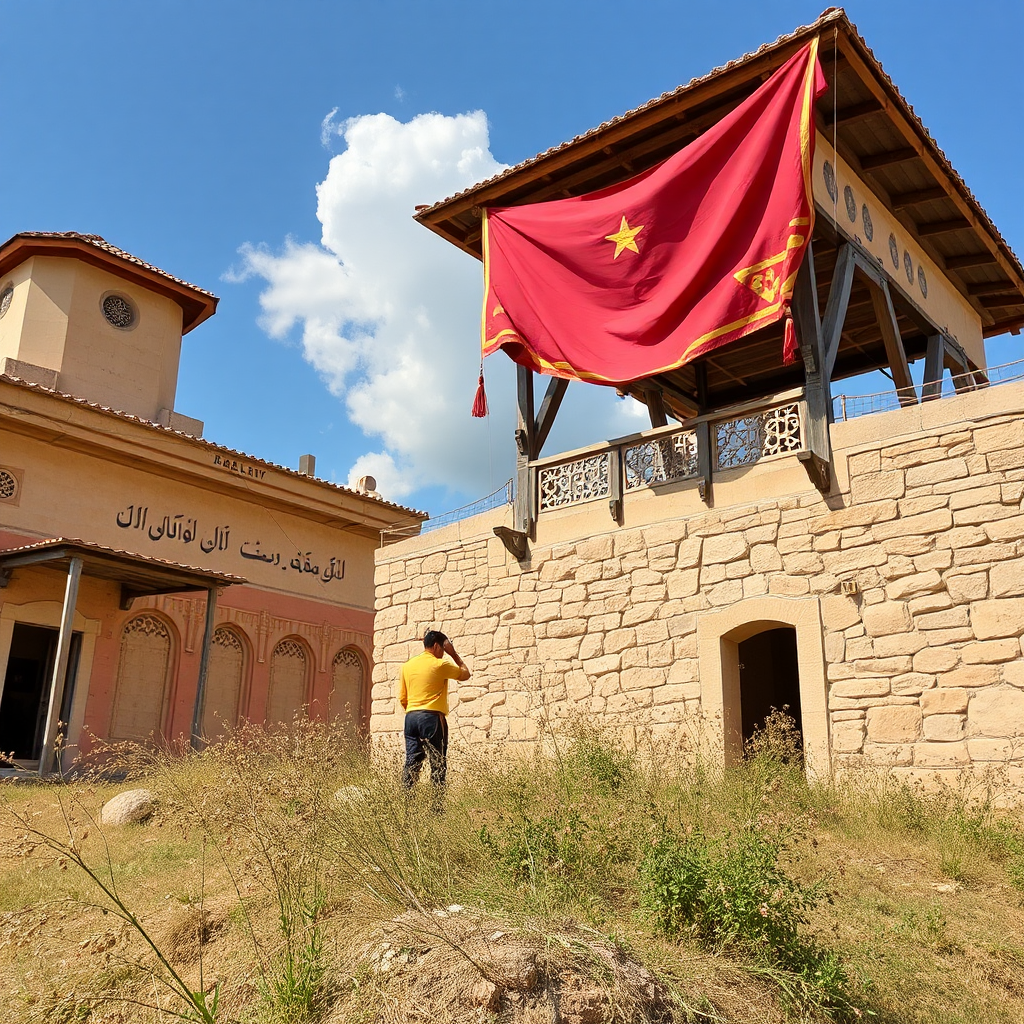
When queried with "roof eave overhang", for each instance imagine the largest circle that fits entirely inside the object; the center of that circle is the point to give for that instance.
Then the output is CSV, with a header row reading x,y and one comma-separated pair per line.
x,y
196,306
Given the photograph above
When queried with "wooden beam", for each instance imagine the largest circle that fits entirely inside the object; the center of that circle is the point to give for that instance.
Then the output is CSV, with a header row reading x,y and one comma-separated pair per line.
x,y
817,458
897,356
932,384
548,410
525,443
855,112
902,200
887,159
941,227
999,301
836,308
973,259
988,287
656,407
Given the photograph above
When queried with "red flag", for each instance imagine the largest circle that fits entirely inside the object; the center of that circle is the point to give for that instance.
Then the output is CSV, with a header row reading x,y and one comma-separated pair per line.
x,y
646,276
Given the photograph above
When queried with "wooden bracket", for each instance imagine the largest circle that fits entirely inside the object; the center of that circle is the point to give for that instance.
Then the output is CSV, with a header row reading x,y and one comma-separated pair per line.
x,y
514,541
5,578
127,597
818,469
615,508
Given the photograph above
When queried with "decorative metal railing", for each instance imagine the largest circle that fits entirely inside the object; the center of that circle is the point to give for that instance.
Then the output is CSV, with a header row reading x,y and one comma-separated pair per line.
x,y
741,437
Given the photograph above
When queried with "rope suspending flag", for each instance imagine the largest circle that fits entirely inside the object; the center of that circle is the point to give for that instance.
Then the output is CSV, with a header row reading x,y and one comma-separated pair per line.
x,y
644,277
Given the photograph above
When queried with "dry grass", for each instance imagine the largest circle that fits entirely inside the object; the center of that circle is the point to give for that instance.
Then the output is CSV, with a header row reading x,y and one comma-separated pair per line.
x,y
289,875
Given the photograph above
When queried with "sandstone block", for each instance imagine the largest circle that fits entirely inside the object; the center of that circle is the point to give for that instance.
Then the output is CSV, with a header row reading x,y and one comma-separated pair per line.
x,y
766,533
765,558
944,727
998,711
726,593
900,724
1006,579
676,693
618,640
995,750
839,612
1003,435
978,514
990,652
848,737
912,683
664,533
802,541
972,676
711,574
930,603
724,548
940,559
689,553
642,678
1002,617
859,647
865,462
910,586
835,647
1005,460
925,503
967,587
929,522
890,617
683,583
897,644
940,755
951,618
874,487
866,687
962,537
755,586
854,515
788,586
644,612
389,617
1013,673
558,648
602,665
803,563
910,546
981,556
944,701
935,472
881,666
850,560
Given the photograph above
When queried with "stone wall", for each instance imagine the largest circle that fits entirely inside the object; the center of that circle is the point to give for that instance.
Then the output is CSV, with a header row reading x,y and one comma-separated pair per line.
x,y
906,588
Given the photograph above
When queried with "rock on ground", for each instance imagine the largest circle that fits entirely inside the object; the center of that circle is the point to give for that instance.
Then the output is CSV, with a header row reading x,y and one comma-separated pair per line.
x,y
128,808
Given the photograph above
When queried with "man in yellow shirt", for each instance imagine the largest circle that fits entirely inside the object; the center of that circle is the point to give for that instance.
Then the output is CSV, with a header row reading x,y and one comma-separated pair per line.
x,y
423,692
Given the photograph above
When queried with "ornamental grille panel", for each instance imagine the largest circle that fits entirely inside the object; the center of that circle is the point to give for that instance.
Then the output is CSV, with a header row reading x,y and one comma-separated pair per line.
x,y
223,682
573,482
8,485
346,699
661,460
143,677
744,441
288,674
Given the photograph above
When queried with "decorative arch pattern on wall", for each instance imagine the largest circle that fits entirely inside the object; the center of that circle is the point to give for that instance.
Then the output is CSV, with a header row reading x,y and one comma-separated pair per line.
x,y
291,666
225,681
144,672
348,684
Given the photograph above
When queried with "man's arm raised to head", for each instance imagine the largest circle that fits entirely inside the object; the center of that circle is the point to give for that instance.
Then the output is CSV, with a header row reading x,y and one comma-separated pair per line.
x,y
464,672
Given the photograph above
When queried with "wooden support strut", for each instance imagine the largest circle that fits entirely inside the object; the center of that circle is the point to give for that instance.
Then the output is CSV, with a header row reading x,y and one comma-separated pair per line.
x,y
881,300
817,454
48,756
526,444
705,456
197,738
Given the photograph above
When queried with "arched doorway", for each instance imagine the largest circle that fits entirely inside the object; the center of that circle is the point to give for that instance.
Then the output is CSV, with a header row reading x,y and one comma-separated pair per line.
x,y
289,680
348,676
769,679
144,674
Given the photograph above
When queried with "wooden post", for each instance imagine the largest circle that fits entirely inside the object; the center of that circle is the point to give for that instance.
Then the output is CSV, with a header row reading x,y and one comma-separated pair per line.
x,y
548,410
932,384
656,407
881,300
48,755
702,430
525,446
196,738
817,457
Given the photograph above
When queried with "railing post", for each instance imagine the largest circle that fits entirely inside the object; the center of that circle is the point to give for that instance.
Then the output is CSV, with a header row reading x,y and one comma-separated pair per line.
x,y
615,484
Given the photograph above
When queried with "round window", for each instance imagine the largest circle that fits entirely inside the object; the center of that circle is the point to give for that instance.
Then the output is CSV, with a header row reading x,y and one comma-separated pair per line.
x,y
119,311
8,485
5,299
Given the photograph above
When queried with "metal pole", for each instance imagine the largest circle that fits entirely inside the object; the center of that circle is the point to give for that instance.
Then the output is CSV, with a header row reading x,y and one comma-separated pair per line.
x,y
204,667
47,756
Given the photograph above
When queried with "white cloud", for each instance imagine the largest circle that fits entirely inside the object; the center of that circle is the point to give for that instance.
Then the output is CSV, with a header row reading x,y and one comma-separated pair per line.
x,y
328,129
399,93
389,312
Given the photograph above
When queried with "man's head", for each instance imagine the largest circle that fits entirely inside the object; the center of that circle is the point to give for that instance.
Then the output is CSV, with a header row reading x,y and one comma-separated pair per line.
x,y
434,640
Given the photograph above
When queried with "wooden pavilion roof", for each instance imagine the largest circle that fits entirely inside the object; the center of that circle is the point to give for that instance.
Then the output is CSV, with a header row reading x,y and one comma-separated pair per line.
x,y
874,130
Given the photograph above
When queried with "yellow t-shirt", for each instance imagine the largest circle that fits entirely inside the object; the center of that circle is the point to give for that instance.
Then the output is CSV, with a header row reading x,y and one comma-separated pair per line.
x,y
423,683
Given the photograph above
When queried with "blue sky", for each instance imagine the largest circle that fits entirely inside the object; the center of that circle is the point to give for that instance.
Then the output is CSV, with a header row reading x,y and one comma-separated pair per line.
x,y
194,135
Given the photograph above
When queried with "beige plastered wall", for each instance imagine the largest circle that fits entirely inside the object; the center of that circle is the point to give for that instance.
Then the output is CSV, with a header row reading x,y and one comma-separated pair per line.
x,y
56,321
905,588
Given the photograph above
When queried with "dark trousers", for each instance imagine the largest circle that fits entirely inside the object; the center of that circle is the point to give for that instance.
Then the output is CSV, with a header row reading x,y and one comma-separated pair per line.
x,y
426,738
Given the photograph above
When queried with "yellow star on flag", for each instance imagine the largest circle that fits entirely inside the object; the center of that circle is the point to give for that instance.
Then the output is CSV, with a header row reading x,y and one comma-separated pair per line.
x,y
624,238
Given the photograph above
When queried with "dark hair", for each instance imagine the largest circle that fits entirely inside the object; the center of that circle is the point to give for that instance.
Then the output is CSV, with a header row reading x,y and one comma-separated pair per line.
x,y
434,636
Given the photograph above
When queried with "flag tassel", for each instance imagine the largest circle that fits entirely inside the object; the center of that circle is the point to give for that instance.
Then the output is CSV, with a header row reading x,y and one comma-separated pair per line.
x,y
480,401
790,346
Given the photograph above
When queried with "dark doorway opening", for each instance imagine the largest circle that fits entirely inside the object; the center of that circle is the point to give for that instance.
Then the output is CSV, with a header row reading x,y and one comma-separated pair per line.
x,y
769,678
26,693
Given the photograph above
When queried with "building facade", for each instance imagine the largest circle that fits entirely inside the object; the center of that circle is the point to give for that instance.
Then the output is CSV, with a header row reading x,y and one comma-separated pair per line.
x,y
97,467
